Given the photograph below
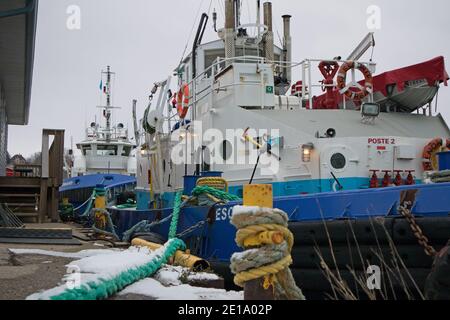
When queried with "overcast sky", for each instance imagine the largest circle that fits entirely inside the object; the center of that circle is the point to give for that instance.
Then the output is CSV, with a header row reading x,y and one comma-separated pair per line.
x,y
143,41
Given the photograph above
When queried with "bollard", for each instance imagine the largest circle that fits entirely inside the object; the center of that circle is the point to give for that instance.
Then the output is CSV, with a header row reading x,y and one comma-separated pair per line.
x,y
260,196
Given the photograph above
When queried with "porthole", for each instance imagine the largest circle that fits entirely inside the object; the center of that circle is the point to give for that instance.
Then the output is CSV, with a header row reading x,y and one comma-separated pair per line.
x,y
338,161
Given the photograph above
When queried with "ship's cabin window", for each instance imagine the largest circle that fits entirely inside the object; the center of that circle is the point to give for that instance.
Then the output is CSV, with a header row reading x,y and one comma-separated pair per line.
x,y
106,150
87,150
126,151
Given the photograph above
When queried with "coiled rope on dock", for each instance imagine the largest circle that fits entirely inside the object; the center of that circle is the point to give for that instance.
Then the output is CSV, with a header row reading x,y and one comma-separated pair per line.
x,y
268,242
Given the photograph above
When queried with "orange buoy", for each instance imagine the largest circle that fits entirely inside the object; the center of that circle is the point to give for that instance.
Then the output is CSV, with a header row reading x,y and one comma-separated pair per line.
x,y
362,91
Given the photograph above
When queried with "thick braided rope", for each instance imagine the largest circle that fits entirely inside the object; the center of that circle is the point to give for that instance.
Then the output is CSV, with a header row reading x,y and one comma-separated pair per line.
x,y
200,190
105,288
251,259
270,262
176,215
263,271
250,231
213,182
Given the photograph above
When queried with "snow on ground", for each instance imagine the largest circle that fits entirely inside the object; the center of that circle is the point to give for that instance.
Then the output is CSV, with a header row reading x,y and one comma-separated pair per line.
x,y
153,288
167,283
70,255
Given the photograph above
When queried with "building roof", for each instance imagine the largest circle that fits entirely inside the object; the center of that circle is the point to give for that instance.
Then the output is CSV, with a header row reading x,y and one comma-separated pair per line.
x,y
17,42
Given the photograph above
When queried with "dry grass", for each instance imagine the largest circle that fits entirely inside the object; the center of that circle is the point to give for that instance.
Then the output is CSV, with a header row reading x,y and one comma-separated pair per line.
x,y
392,267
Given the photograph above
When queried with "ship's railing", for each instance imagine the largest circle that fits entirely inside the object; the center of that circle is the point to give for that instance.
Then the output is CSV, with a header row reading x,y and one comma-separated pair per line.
x,y
101,133
202,86
309,83
201,91
27,170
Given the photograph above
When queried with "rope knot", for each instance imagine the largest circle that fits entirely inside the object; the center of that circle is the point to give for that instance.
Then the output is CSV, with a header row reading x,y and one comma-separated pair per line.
x,y
264,233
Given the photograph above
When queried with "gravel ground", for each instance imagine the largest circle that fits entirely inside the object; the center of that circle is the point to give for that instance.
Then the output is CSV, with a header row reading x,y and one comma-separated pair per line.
x,y
21,276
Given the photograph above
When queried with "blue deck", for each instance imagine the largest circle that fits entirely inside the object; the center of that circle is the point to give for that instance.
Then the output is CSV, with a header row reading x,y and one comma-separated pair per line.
x,y
431,201
78,190
90,181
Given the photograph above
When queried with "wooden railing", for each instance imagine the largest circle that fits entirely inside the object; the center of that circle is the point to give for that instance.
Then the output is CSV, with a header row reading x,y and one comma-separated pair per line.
x,y
27,170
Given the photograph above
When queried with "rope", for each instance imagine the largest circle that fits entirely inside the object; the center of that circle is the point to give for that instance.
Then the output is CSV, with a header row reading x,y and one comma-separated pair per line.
x,y
97,192
96,214
108,287
265,231
105,288
213,182
131,204
221,195
176,215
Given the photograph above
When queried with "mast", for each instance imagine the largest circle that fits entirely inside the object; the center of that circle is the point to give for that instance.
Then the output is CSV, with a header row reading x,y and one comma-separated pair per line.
x,y
107,111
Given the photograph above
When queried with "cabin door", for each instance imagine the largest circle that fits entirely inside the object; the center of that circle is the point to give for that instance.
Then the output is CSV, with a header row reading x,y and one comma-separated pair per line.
x,y
338,169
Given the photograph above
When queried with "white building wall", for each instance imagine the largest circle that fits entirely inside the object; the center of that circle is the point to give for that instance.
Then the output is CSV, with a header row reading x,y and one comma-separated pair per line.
x,y
3,133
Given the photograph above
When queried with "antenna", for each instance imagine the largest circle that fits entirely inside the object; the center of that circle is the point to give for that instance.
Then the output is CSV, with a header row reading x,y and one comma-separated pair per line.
x,y
107,110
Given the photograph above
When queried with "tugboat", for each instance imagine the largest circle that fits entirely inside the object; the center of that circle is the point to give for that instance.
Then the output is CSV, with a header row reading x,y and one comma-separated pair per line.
x,y
107,158
339,154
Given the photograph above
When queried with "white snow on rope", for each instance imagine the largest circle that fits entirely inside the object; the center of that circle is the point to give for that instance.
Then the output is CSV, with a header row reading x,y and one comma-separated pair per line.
x,y
100,266
154,289
167,283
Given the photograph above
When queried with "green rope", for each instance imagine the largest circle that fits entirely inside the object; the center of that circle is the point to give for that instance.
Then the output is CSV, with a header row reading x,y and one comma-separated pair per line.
x,y
129,205
106,288
221,195
66,212
176,215
98,192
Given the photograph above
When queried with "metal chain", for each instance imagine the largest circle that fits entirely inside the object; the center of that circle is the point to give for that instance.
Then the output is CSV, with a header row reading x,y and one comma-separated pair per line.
x,y
417,230
191,229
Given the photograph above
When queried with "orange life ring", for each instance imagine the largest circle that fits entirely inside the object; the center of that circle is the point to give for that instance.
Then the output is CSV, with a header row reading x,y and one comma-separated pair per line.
x,y
362,91
429,153
183,101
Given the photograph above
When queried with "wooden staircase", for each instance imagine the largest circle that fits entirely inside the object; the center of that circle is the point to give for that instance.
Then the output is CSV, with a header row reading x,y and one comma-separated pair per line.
x,y
22,196
32,194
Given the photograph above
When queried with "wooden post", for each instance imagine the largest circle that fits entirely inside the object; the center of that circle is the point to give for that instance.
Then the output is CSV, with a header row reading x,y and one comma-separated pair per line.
x,y
43,208
54,215
260,196
45,168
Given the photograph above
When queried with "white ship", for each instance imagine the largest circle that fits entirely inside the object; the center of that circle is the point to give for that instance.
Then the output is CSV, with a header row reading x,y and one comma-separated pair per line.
x,y
340,134
106,148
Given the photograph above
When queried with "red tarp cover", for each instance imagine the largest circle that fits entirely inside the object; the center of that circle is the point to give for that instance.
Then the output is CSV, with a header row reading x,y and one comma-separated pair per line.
x,y
433,71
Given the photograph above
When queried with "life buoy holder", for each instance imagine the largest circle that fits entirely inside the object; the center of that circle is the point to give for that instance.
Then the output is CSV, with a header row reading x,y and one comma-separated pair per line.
x,y
346,89
183,101
430,152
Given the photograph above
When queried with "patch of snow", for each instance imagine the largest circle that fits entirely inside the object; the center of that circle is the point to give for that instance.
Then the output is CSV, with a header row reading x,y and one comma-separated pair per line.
x,y
240,210
94,268
113,264
154,289
94,265
70,255
169,275
202,276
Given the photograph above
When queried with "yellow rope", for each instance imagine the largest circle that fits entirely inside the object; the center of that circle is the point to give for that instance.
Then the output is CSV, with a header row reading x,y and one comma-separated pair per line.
x,y
252,231
267,241
213,182
263,272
